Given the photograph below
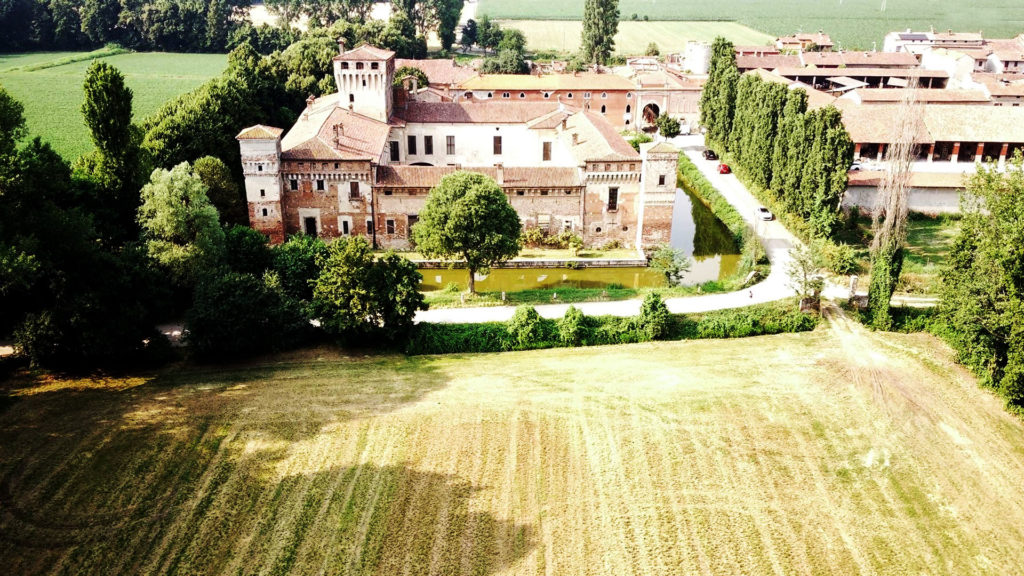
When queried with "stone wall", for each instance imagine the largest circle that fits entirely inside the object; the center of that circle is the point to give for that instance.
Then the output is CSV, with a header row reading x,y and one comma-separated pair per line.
x,y
923,200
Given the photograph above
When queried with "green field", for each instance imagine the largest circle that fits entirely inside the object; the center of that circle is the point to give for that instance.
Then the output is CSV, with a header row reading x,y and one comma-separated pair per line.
x,y
633,37
53,96
855,23
833,452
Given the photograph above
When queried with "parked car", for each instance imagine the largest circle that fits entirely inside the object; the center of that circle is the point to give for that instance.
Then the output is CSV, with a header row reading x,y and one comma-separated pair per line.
x,y
724,169
709,154
765,214
856,166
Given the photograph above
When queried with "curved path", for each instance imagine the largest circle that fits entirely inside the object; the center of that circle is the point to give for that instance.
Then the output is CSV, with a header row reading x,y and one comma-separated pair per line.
x,y
776,239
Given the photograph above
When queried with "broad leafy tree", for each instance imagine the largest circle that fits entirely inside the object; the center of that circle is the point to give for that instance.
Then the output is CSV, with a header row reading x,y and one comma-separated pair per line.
x,y
468,217
180,226
983,282
357,295
600,23
667,126
222,190
296,263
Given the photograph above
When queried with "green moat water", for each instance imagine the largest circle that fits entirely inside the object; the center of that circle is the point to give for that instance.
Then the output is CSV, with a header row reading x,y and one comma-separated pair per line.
x,y
703,237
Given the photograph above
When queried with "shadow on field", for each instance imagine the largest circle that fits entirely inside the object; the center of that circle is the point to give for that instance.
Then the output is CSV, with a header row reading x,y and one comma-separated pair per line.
x,y
189,467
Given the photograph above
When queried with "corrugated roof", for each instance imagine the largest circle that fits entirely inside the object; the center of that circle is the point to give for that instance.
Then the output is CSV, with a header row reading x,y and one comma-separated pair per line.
x,y
260,132
551,82
439,72
768,61
402,176
871,124
856,72
325,130
475,112
940,123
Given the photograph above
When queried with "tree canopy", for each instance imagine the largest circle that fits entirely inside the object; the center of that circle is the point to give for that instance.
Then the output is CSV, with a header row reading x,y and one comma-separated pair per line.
x,y
600,23
467,216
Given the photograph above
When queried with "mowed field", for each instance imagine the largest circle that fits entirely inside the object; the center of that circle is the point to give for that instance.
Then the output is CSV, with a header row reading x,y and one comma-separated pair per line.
x,y
633,37
53,95
833,452
855,23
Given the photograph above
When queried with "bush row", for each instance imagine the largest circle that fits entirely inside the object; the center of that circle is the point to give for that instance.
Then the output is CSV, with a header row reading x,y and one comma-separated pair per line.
x,y
526,330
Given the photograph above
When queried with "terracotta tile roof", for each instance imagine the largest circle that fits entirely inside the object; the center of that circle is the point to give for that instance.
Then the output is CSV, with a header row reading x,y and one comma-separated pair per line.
x,y
872,124
860,59
365,52
917,179
755,49
940,123
1011,50
402,176
552,82
663,148
325,130
260,132
937,96
439,72
819,38
1002,84
475,112
957,36
768,62
551,120
596,139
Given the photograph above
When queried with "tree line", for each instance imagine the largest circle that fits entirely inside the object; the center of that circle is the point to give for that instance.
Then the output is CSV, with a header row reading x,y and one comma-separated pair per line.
x,y
208,25
799,157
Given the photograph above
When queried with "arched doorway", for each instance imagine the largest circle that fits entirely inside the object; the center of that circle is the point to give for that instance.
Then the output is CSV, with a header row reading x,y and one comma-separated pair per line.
x,y
651,113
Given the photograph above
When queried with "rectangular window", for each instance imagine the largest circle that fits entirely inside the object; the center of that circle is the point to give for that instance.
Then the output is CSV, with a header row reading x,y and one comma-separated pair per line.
x,y
543,221
428,144
450,145
369,226
543,192
263,193
390,226
387,191
259,167
547,151
320,185
293,184
353,191
413,219
497,144
411,146
613,199
344,227
394,150
661,179
264,211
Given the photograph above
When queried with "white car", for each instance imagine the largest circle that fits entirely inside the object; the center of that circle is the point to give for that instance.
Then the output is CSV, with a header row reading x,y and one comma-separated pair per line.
x,y
765,214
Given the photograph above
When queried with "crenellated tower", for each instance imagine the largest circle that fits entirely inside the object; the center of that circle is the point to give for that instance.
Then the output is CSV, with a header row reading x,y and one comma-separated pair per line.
x,y
364,76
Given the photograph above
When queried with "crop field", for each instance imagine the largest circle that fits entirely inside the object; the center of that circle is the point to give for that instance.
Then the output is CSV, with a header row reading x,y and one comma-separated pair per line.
x,y
633,37
855,23
834,452
53,95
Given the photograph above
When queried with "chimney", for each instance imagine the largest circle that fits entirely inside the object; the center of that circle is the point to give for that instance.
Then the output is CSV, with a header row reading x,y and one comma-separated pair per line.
x,y
341,45
564,122
575,138
501,173
310,100
339,131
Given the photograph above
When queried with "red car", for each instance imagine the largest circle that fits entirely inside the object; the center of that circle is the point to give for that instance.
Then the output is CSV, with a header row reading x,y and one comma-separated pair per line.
x,y
724,169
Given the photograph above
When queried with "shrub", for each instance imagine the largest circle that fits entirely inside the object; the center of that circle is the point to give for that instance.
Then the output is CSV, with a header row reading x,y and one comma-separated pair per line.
x,y
525,328
670,262
457,338
612,245
654,319
573,328
637,138
235,314
840,258
533,237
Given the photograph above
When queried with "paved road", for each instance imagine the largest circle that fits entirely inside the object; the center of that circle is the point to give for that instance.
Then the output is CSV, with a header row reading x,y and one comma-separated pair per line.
x,y
776,239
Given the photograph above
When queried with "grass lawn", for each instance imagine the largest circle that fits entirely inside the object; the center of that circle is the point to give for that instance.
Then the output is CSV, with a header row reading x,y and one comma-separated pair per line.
x,y
834,452
557,254
53,96
456,298
633,37
854,23
928,243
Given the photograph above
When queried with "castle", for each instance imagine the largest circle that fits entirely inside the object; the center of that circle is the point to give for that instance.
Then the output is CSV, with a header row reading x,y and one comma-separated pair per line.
x,y
361,162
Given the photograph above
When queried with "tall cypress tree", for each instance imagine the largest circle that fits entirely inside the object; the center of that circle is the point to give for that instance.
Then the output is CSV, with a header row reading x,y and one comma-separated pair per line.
x,y
770,98
787,152
600,23
718,99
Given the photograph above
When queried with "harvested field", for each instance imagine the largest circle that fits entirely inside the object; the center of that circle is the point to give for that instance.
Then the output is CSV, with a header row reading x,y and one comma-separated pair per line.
x,y
833,452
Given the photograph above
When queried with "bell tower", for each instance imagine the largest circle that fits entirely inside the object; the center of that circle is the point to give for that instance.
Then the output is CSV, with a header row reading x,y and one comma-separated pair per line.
x,y
364,76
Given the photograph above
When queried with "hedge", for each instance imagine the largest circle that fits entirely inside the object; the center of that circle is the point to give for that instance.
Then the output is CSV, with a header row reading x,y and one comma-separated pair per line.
x,y
762,319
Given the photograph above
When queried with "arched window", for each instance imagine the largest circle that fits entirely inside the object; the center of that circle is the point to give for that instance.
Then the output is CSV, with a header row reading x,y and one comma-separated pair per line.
x,y
344,65
604,95
569,95
522,94
603,109
628,108
359,65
